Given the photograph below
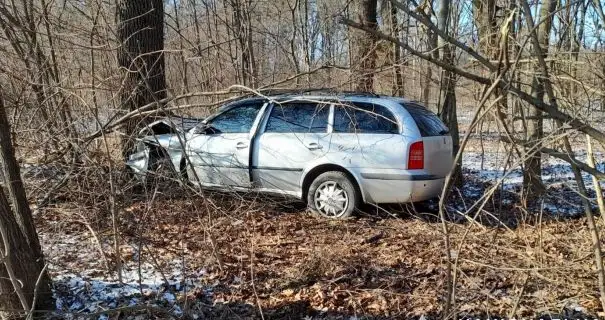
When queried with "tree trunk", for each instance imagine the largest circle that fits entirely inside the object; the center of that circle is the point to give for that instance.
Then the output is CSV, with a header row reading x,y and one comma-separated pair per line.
x,y
448,88
24,262
532,173
242,24
398,82
141,57
488,20
484,14
432,46
426,85
363,52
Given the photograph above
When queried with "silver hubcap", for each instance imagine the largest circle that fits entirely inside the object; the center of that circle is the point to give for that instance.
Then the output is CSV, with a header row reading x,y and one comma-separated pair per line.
x,y
331,199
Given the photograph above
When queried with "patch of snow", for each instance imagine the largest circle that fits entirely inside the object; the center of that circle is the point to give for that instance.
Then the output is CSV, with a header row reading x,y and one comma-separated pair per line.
x,y
81,284
491,168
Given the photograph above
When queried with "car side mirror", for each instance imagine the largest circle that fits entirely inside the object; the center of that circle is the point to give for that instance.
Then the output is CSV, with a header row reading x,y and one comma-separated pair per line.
x,y
196,130
204,128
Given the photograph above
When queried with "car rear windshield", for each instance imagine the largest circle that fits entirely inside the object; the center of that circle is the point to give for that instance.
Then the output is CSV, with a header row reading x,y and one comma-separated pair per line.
x,y
428,123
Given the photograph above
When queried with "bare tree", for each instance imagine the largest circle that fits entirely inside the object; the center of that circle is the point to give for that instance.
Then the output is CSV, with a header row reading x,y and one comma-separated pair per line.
x,y
24,284
363,52
398,79
532,175
448,106
242,24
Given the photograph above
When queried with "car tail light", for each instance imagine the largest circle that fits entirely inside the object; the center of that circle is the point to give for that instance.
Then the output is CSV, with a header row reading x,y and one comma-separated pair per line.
x,y
416,159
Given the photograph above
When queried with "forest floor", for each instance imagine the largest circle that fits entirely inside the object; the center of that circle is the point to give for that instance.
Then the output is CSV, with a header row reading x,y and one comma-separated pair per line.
x,y
251,257
292,265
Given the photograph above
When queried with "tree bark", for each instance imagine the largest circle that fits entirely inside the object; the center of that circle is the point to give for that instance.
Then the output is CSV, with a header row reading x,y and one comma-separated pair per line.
x,y
447,111
242,24
14,184
398,81
488,19
141,57
532,174
20,251
484,14
363,52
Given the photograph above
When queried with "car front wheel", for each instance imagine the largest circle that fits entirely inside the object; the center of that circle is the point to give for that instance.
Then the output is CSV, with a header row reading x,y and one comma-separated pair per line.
x,y
333,195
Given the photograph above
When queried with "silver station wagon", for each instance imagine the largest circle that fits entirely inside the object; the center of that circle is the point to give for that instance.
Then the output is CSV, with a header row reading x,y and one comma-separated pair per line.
x,y
332,151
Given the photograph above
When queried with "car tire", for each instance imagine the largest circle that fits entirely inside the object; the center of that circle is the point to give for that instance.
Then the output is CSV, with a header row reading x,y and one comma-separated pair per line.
x,y
333,195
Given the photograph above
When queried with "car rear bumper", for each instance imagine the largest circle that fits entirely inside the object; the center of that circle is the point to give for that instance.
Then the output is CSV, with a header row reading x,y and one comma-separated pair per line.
x,y
400,188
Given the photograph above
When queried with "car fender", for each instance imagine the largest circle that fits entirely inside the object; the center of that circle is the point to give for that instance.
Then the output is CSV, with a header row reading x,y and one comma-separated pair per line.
x,y
168,142
175,148
352,171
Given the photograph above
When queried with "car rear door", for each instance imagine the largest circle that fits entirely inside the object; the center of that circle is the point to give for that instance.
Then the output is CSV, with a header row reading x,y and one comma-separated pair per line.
x,y
221,154
295,134
366,135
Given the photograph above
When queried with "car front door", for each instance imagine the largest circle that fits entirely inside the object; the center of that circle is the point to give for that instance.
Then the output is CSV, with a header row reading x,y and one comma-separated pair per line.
x,y
295,134
220,154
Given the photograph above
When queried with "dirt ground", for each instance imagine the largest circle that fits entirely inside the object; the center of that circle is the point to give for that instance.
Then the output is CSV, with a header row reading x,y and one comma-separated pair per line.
x,y
266,259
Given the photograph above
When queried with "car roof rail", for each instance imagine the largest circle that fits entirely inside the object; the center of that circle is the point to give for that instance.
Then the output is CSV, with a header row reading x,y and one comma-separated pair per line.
x,y
316,91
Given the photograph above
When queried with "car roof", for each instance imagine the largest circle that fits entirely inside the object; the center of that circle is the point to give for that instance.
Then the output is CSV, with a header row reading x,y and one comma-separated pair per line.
x,y
361,97
339,97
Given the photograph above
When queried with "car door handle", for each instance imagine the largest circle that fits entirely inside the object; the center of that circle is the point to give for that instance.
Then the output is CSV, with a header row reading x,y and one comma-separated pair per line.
x,y
241,145
313,146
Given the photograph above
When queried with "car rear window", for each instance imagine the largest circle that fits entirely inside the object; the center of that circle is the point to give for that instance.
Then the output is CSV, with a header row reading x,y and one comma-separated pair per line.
x,y
428,123
364,118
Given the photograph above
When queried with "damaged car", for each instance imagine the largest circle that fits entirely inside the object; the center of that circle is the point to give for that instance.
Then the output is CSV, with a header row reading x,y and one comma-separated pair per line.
x,y
159,148
333,151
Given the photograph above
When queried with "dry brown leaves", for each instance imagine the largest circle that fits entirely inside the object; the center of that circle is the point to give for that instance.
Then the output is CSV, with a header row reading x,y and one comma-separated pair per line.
x,y
296,264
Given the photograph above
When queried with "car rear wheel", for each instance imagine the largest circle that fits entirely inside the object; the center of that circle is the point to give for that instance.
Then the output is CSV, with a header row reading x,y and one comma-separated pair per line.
x,y
333,195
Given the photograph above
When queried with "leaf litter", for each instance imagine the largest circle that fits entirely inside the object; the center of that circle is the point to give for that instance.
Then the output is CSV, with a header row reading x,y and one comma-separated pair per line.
x,y
256,256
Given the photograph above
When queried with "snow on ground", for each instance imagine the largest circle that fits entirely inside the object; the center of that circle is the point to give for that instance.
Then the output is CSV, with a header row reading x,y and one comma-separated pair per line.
x,y
83,285
498,168
492,167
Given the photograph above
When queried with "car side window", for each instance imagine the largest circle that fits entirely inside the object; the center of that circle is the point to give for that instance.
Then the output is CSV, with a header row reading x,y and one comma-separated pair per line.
x,y
298,118
236,120
364,118
428,123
